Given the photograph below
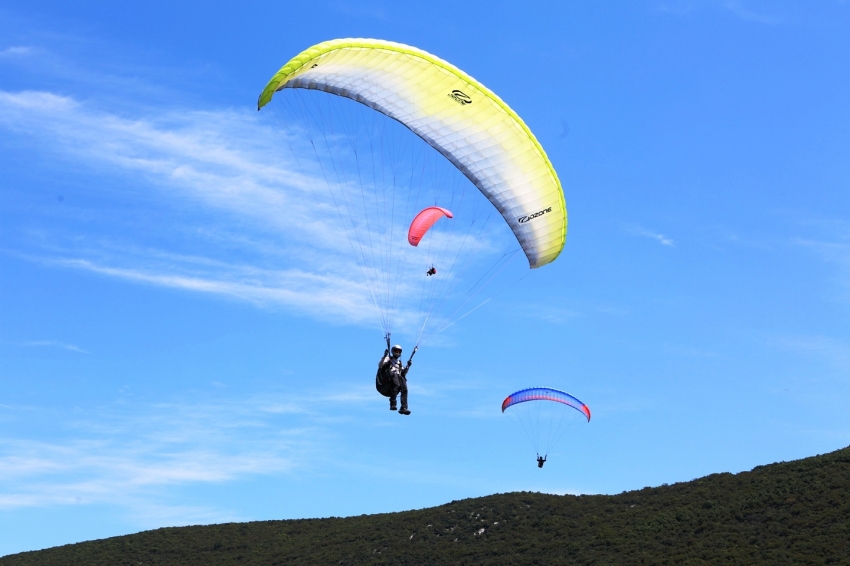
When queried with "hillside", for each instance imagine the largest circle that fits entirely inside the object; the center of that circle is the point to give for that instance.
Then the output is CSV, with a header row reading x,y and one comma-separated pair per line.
x,y
787,513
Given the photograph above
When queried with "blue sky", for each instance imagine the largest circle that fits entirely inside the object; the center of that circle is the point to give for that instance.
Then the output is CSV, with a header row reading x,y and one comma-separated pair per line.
x,y
166,359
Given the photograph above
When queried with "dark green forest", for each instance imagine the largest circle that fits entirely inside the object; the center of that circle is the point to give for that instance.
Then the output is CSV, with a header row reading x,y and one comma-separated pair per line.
x,y
786,513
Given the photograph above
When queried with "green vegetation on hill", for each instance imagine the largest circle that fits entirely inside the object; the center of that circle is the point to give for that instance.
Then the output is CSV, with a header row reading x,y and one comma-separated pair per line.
x,y
788,513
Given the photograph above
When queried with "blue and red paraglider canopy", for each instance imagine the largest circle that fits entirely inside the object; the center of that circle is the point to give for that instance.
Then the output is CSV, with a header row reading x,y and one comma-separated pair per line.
x,y
545,394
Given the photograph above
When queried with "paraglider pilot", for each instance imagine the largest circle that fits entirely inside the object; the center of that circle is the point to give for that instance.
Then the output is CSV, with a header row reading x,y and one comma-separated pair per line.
x,y
540,461
393,368
432,271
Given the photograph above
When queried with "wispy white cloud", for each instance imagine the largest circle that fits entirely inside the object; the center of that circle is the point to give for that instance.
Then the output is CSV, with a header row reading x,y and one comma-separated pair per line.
x,y
55,344
827,349
131,454
330,297
221,159
15,51
230,164
834,251
636,230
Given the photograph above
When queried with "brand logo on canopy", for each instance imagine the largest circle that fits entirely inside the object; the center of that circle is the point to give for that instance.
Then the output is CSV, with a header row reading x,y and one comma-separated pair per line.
x,y
523,219
460,97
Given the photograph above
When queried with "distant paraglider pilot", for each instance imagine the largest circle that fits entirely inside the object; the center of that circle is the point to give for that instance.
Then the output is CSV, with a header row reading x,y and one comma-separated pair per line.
x,y
392,378
565,407
432,271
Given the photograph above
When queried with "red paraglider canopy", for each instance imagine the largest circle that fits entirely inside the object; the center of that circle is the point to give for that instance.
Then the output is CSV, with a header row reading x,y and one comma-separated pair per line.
x,y
423,222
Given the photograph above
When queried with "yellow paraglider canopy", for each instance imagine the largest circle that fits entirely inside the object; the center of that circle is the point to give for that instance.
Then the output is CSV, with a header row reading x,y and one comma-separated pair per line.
x,y
457,115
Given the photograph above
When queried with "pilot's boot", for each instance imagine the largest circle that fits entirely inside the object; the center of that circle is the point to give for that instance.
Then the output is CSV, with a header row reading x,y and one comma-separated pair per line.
x,y
404,410
393,406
